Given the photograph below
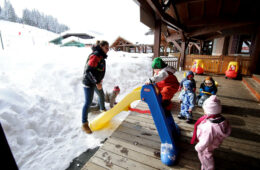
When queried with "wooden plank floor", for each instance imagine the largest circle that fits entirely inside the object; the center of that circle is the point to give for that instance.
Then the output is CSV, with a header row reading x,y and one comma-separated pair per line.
x,y
136,144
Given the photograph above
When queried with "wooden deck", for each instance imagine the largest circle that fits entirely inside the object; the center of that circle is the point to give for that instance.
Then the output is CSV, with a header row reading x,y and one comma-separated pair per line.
x,y
136,144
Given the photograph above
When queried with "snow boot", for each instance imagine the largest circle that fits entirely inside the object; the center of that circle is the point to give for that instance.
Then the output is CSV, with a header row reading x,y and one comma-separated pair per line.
x,y
86,128
189,120
180,116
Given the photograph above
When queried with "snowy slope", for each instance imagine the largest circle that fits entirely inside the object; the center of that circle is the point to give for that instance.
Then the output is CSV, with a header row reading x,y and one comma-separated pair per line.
x,y
41,95
15,34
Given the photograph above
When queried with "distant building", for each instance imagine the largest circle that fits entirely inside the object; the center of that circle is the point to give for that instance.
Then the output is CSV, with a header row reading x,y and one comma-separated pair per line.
x,y
121,44
74,39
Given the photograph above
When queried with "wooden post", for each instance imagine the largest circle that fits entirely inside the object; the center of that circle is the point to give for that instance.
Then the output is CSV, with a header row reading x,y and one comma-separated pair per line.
x,y
189,51
225,46
157,38
182,58
1,41
165,50
201,46
255,55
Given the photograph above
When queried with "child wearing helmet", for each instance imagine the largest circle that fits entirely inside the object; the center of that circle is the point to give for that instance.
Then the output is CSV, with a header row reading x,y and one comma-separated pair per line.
x,y
111,97
189,76
209,131
207,88
187,99
166,82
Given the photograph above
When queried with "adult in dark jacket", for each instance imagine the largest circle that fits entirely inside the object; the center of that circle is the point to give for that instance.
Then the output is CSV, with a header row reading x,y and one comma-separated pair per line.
x,y
94,73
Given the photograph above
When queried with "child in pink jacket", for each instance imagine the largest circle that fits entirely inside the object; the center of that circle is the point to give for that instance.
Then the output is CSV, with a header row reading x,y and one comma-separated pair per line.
x,y
209,131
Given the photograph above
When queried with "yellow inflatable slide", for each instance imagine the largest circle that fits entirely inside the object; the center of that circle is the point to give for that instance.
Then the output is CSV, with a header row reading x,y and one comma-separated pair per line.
x,y
103,119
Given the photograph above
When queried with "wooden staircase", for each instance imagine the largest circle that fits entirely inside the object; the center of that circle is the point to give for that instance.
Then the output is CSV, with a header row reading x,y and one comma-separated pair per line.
x,y
253,84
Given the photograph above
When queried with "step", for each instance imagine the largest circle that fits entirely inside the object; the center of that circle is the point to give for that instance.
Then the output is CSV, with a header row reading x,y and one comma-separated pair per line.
x,y
256,77
253,86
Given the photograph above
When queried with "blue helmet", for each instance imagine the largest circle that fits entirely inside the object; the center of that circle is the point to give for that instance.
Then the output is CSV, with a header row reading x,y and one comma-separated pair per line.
x,y
189,73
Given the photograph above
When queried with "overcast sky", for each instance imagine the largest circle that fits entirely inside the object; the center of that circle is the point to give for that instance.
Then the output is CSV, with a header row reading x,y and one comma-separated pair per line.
x,y
105,16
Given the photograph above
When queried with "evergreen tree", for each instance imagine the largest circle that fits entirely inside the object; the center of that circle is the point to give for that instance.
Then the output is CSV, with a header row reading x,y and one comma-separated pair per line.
x,y
32,17
0,12
9,13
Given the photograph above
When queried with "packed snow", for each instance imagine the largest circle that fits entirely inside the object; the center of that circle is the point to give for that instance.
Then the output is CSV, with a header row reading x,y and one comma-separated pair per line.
x,y
41,95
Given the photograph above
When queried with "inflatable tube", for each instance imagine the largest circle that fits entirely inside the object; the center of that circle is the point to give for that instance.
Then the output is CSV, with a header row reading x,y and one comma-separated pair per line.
x,y
166,127
103,119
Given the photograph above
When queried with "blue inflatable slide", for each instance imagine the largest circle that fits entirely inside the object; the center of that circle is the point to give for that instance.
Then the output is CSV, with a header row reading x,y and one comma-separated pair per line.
x,y
166,127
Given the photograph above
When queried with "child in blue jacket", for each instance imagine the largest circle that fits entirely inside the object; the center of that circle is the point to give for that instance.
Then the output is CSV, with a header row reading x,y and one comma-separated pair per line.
x,y
187,99
189,76
207,87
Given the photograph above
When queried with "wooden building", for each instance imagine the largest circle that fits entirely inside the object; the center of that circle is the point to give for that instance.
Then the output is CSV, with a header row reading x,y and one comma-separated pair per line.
x,y
121,44
217,31
74,39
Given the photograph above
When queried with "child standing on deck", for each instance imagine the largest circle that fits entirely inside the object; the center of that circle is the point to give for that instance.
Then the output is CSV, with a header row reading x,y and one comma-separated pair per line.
x,y
209,131
189,76
187,100
166,82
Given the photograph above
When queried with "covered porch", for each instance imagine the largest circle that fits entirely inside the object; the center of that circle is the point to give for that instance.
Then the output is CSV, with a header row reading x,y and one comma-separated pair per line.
x,y
215,31
136,145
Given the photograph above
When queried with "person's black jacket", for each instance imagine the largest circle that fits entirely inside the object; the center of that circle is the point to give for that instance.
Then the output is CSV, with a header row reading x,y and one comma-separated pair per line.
x,y
95,67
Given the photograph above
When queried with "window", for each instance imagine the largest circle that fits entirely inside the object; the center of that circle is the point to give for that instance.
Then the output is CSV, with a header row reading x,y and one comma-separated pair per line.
x,y
244,44
207,48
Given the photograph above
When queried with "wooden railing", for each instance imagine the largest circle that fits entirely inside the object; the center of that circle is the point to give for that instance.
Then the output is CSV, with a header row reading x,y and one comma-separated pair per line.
x,y
172,61
219,64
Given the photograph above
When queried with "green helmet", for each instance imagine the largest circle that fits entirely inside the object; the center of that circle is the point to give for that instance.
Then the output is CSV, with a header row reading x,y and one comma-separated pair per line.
x,y
158,63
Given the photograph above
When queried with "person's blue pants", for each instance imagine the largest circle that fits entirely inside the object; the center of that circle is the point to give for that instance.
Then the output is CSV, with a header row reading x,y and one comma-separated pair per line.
x,y
184,111
89,93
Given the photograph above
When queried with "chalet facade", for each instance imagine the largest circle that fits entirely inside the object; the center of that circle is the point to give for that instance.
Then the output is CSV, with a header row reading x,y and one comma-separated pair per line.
x,y
121,44
216,31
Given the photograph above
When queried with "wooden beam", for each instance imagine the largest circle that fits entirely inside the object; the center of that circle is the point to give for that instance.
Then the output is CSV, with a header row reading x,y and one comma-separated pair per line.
x,y
213,37
157,38
236,6
164,30
197,46
219,6
213,21
212,29
182,58
202,12
228,32
188,10
147,15
156,6
177,45
174,37
177,2
176,12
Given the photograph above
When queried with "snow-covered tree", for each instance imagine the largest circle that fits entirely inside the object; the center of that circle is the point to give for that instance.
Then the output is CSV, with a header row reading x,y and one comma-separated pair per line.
x,y
32,17
8,12
0,12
